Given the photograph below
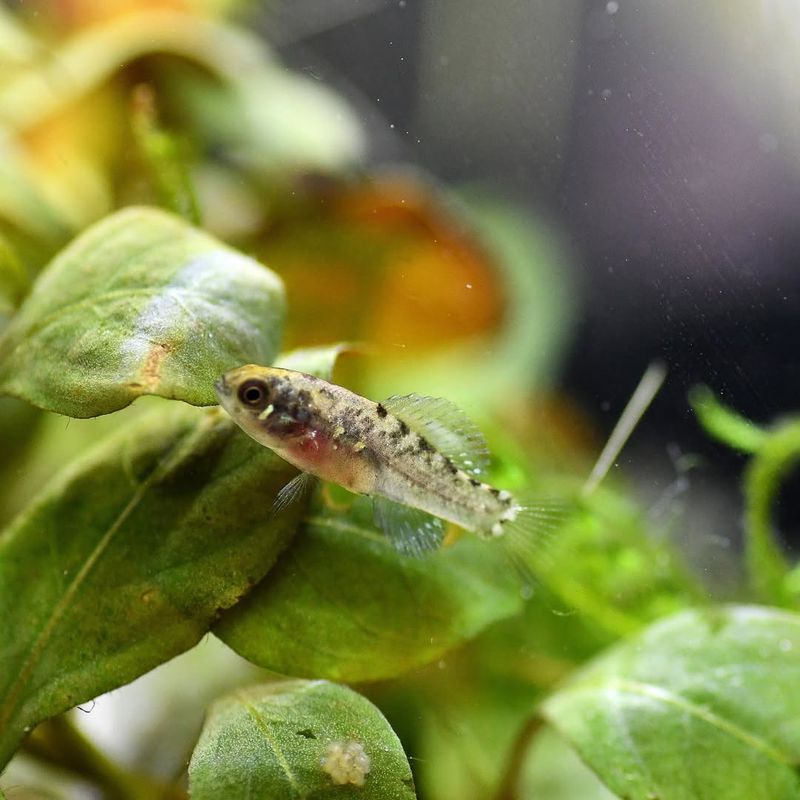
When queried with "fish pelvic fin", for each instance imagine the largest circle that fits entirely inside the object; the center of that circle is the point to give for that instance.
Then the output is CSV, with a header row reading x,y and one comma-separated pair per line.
x,y
293,492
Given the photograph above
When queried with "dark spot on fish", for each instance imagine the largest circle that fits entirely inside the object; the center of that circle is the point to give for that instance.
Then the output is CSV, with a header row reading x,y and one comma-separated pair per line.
x,y
382,412
425,445
404,429
495,492
325,392
474,483
306,733
451,466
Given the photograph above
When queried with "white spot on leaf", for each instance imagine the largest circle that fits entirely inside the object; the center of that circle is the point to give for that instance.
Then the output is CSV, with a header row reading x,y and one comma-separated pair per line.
x,y
346,762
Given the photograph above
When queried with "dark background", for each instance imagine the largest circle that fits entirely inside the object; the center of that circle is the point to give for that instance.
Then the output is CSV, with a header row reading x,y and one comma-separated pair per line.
x,y
656,141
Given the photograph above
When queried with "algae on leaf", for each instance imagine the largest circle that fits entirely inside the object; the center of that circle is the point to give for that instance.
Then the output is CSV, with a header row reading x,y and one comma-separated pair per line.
x,y
293,740
128,557
141,303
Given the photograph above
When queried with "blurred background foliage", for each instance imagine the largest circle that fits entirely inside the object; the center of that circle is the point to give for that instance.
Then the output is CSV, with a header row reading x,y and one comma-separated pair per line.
x,y
514,207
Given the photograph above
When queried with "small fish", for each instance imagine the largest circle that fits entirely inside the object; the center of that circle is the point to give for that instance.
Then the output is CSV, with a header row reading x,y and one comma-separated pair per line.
x,y
419,458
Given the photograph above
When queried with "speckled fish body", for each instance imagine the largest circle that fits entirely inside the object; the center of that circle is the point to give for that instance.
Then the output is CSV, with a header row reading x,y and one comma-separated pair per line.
x,y
339,436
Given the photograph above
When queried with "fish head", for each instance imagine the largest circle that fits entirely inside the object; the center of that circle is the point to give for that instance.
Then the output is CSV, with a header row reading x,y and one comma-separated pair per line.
x,y
270,404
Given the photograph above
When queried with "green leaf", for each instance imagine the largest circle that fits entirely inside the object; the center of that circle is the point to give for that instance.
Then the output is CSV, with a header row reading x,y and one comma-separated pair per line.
x,y
129,556
343,604
291,740
318,361
723,423
701,705
141,303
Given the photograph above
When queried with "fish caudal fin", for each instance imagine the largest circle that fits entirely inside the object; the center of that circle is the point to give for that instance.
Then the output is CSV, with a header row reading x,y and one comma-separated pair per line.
x,y
527,539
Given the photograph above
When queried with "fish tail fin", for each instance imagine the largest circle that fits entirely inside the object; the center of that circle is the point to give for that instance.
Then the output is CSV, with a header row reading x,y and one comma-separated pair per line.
x,y
527,538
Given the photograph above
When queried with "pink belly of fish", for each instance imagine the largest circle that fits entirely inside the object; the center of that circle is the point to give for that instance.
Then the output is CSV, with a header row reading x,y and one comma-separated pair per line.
x,y
320,455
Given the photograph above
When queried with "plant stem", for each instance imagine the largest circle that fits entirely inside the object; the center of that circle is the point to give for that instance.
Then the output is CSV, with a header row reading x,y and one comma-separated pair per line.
x,y
766,562
507,788
59,743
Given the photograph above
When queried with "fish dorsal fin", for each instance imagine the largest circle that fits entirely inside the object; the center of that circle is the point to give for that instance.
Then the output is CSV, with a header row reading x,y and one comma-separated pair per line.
x,y
410,531
446,427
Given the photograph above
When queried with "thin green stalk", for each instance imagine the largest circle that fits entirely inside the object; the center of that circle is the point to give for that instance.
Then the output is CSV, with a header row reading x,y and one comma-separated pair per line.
x,y
766,562
724,424
508,788
164,157
60,744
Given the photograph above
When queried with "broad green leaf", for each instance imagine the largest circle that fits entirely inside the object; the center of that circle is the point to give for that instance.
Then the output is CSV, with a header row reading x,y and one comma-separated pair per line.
x,y
318,361
343,604
128,557
701,706
141,303
294,740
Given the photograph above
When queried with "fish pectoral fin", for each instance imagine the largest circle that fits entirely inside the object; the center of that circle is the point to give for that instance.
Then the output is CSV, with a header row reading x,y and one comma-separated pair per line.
x,y
410,531
293,492
446,427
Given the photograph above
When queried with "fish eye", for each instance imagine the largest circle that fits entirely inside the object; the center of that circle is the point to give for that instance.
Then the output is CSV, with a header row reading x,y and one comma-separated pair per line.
x,y
253,393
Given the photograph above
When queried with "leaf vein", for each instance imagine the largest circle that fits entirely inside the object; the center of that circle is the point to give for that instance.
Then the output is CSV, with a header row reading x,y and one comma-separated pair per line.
x,y
667,697
259,720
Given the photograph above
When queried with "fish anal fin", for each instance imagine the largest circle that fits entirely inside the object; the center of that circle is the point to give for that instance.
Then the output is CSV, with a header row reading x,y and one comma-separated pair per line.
x,y
446,427
410,531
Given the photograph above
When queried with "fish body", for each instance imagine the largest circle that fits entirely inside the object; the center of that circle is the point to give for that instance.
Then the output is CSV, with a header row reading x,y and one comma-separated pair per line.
x,y
339,436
